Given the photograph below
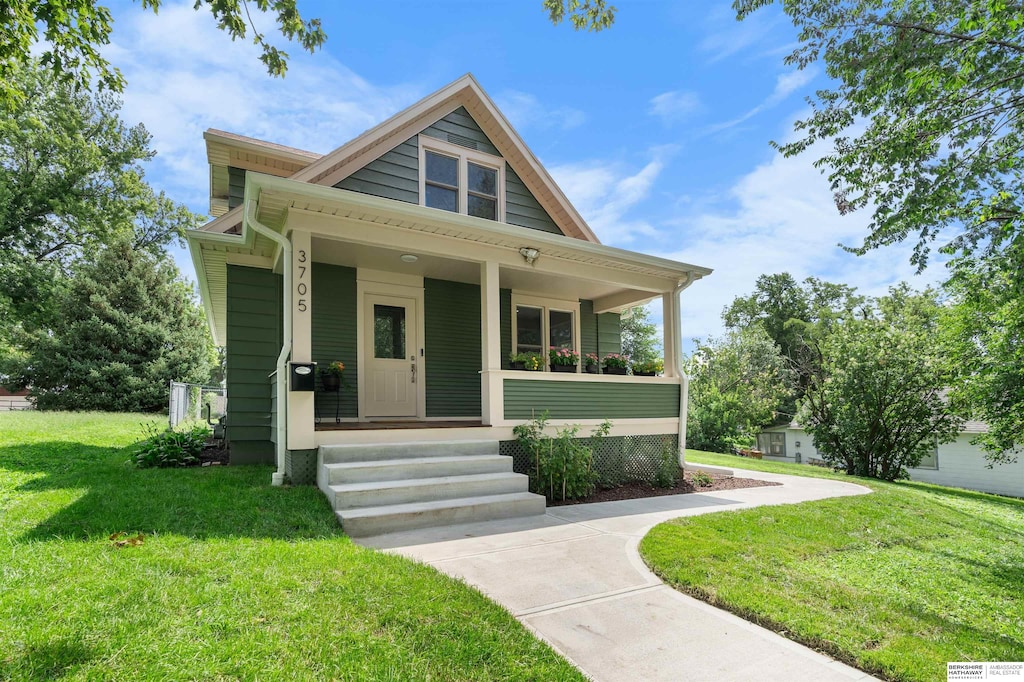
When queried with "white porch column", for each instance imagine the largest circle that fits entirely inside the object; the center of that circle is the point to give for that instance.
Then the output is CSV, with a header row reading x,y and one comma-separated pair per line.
x,y
668,336
491,398
684,387
301,406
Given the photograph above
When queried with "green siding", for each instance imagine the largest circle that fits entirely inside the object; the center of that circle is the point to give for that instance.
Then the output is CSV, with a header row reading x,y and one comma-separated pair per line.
x,y
452,347
609,334
522,208
459,128
253,343
588,328
334,333
236,186
394,175
590,399
505,311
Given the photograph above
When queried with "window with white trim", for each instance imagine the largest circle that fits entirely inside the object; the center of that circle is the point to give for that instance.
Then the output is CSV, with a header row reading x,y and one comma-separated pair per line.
x,y
538,324
461,180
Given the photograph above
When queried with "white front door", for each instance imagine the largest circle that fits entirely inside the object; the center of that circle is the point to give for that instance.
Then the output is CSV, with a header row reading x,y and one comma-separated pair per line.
x,y
389,330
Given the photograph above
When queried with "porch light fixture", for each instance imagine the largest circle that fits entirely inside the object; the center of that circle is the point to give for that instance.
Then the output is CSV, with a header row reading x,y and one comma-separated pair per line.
x,y
409,258
529,254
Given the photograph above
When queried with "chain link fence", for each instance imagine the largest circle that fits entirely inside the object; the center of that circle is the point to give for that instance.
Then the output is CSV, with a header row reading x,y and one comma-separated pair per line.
x,y
190,401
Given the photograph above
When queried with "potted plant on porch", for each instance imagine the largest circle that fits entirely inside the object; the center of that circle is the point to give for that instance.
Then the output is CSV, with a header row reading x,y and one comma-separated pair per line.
x,y
591,363
563,359
648,368
615,363
333,376
529,361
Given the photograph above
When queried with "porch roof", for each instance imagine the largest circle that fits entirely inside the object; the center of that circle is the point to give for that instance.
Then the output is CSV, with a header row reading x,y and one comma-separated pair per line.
x,y
284,204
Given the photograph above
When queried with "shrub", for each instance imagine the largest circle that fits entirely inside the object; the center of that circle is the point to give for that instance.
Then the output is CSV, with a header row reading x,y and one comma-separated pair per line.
x,y
656,366
561,468
701,479
172,448
667,474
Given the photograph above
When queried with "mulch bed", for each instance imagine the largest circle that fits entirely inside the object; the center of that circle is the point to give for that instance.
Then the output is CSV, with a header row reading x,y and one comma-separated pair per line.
x,y
633,491
213,455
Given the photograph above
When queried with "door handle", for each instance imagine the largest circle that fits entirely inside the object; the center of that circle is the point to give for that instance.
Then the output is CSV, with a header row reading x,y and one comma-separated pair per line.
x,y
413,375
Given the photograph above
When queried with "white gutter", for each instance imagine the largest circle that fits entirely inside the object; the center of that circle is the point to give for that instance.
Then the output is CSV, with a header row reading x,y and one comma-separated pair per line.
x,y
684,386
280,374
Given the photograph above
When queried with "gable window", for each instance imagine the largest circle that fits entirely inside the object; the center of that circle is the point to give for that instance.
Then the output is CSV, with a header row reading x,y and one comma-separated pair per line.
x,y
461,180
539,324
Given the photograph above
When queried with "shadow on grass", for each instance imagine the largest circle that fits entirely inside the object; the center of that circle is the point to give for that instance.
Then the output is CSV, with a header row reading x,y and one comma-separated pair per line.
x,y
199,502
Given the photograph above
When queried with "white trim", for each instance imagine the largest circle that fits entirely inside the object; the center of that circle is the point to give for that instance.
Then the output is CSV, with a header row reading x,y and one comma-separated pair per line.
x,y
546,305
603,378
369,286
463,155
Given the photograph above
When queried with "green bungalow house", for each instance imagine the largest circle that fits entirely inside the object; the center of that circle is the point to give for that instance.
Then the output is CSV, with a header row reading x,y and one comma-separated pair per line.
x,y
420,255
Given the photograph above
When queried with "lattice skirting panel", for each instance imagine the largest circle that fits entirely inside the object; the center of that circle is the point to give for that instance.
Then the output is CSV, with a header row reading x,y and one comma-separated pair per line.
x,y
617,459
300,466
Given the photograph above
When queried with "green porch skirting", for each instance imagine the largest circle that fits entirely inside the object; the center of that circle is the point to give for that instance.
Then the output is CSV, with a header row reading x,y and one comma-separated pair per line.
x,y
525,398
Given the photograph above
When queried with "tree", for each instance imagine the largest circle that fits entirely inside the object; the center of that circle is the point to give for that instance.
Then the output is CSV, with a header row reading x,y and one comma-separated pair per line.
x,y
127,325
74,32
984,339
71,180
639,335
876,401
589,15
737,384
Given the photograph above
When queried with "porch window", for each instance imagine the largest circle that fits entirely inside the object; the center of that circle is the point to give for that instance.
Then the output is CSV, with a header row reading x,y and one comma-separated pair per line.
x,y
538,324
461,180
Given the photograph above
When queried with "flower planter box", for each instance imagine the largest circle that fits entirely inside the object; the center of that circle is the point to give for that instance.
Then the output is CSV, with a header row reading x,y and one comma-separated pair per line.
x,y
563,368
644,374
621,371
517,366
591,369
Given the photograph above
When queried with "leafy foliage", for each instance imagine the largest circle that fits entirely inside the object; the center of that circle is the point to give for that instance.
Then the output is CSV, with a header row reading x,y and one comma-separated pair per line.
x,y
639,335
590,15
924,115
984,337
171,448
75,31
701,479
738,383
126,325
667,474
71,180
875,405
562,468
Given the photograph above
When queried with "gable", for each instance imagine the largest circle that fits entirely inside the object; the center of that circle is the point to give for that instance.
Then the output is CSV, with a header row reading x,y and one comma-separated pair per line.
x,y
395,174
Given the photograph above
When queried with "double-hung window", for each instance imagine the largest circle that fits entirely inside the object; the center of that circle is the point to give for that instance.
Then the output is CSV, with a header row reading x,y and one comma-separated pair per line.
x,y
539,324
461,180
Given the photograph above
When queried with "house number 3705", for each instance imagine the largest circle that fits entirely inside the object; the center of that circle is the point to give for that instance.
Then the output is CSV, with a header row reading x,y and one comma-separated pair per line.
x,y
301,288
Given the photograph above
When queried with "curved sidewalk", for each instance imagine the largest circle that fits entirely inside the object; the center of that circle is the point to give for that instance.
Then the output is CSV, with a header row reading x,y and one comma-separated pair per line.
x,y
574,576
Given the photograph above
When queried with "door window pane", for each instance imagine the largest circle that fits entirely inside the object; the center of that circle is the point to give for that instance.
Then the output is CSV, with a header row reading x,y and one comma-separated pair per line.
x,y
482,208
528,329
388,331
483,180
443,170
560,325
442,197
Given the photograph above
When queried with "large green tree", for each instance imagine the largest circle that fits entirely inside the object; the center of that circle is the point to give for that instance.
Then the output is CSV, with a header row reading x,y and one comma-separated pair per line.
x,y
738,383
639,335
71,180
73,32
876,401
127,324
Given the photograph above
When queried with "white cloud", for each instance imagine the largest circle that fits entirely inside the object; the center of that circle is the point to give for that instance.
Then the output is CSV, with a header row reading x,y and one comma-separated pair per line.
x,y
185,75
674,105
779,217
725,36
785,85
526,111
604,193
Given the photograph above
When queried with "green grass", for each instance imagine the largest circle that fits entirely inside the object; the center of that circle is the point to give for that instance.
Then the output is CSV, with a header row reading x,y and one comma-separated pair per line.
x,y
235,579
897,582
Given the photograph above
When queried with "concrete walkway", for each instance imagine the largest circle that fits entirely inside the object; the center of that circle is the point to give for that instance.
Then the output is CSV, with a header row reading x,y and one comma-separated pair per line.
x,y
574,576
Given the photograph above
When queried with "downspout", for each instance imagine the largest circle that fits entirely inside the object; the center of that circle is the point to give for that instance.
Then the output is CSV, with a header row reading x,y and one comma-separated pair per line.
x,y
286,345
684,385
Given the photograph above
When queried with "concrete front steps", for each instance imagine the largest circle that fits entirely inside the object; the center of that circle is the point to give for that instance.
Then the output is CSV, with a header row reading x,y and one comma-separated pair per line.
x,y
383,488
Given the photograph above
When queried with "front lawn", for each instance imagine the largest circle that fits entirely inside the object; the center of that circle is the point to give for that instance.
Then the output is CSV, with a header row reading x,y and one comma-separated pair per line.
x,y
898,582
233,580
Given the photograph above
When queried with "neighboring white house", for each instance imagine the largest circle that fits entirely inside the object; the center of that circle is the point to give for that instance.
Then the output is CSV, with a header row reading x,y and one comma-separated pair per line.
x,y
14,401
959,463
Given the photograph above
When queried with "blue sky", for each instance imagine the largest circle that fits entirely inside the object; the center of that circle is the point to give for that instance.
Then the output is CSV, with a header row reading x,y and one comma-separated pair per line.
x,y
657,129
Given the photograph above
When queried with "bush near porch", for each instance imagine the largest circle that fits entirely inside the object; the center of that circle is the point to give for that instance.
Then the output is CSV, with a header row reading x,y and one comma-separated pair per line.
x,y
230,579
898,582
